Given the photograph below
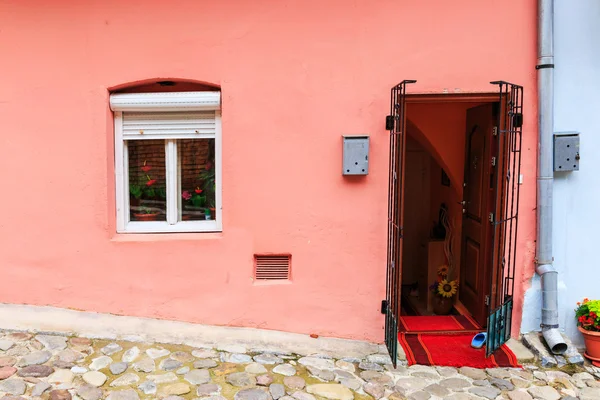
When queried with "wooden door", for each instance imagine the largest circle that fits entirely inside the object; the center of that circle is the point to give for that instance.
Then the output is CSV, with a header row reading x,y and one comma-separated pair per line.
x,y
477,199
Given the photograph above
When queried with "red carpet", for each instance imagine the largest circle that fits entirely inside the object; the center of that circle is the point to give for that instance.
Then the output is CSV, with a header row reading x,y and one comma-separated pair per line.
x,y
447,323
452,350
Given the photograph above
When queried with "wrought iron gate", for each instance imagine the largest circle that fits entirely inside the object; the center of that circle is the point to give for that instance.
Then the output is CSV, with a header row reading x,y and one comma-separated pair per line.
x,y
506,163
395,123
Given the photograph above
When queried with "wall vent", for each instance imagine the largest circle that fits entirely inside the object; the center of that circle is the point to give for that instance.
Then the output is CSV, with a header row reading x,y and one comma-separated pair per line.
x,y
272,267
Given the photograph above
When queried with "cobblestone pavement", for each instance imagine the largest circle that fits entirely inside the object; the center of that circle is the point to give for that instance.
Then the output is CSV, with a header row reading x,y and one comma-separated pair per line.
x,y
62,368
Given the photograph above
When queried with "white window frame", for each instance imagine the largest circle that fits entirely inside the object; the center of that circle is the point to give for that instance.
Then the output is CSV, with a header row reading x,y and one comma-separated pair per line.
x,y
165,102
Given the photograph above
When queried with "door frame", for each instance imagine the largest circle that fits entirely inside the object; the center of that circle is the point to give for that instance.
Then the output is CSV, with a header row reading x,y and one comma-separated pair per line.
x,y
393,281
466,97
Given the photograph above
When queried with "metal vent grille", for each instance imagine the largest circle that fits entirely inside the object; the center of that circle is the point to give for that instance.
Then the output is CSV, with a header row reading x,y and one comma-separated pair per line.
x,y
272,267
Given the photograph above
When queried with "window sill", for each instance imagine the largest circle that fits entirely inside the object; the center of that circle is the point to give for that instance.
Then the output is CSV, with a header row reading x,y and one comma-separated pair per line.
x,y
165,237
163,227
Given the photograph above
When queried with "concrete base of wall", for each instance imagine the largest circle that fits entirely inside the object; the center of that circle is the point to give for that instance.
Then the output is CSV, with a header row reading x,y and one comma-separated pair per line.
x,y
524,356
535,342
107,326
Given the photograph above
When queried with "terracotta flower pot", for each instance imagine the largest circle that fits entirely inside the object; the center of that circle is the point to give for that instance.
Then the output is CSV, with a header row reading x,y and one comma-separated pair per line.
x,y
592,343
213,212
146,217
442,305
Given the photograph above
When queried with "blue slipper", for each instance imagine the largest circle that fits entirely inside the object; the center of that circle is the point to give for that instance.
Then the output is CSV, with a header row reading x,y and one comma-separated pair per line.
x,y
479,340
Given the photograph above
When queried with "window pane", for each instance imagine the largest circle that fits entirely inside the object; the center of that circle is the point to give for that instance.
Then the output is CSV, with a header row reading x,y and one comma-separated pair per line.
x,y
147,184
196,177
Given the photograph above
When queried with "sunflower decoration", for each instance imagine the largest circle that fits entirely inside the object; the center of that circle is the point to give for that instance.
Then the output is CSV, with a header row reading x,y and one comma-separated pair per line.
x,y
443,270
447,288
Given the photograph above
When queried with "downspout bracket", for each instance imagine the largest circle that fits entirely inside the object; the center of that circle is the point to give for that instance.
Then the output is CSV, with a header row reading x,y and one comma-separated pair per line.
x,y
543,326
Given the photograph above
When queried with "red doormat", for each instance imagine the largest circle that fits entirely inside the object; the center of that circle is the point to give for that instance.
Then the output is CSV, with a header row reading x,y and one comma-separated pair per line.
x,y
452,350
438,323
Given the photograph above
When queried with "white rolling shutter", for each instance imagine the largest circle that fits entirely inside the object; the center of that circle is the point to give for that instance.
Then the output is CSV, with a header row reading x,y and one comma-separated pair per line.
x,y
173,101
165,125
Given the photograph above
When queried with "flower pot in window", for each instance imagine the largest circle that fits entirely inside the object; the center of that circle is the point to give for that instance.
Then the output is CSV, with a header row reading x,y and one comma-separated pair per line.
x,y
592,343
212,213
146,217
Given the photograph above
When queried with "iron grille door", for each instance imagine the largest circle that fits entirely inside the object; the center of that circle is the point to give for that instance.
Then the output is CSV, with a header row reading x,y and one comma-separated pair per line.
x,y
395,123
506,162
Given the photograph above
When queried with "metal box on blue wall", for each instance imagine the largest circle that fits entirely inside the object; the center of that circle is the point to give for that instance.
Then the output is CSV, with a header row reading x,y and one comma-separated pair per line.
x,y
355,158
566,151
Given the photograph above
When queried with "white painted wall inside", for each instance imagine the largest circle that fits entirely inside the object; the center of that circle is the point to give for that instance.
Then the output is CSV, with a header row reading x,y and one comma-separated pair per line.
x,y
576,194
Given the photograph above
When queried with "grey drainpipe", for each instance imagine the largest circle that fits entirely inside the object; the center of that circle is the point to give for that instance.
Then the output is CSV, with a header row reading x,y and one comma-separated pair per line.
x,y
544,259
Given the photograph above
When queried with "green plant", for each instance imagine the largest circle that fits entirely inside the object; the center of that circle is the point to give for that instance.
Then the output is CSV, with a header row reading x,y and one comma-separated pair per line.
x,y
588,315
136,190
146,210
195,197
208,182
204,194
146,186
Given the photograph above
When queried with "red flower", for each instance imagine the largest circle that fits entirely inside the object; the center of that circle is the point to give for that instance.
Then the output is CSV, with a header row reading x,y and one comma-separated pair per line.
x,y
208,165
198,190
145,167
585,321
151,182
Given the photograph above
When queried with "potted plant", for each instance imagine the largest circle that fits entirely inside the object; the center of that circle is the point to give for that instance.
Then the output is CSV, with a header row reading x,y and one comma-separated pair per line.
x,y
444,290
588,323
145,189
146,214
194,200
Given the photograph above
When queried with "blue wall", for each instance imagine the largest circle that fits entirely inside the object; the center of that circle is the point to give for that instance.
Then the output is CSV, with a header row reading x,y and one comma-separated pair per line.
x,y
576,194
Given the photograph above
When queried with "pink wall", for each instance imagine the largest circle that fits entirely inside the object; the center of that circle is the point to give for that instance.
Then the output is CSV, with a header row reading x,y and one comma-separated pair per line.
x,y
295,76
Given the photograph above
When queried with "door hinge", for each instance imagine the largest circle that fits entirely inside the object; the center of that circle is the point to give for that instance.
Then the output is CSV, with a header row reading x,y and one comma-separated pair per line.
x,y
495,131
518,120
491,217
383,306
487,300
389,123
493,161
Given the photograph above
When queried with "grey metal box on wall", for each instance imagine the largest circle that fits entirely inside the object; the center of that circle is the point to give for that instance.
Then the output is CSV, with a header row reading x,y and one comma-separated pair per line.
x,y
566,151
355,158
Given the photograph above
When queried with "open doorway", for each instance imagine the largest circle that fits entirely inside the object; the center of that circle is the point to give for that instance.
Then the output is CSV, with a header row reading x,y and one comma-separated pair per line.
x,y
447,197
472,144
